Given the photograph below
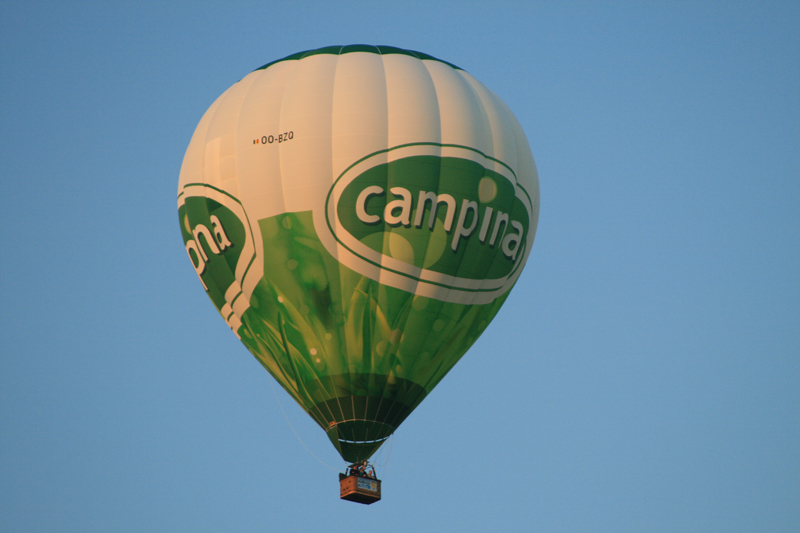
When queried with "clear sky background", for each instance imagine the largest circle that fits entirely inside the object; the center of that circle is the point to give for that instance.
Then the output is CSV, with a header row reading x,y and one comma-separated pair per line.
x,y
644,375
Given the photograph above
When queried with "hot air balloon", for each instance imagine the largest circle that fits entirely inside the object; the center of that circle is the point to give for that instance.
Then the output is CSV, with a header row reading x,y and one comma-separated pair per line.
x,y
358,215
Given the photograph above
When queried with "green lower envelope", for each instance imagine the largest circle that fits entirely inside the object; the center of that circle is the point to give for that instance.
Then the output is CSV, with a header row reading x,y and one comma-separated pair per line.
x,y
357,355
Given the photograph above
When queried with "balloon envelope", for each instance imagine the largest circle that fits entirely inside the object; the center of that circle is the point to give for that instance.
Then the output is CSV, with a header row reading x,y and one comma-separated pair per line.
x,y
358,215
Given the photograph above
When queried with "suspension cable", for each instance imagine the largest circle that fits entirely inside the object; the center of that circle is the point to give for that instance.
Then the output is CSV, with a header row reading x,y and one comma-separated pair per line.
x,y
295,432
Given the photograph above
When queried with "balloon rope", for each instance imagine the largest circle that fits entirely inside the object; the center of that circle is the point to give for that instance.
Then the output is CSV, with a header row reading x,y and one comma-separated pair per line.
x,y
388,455
295,432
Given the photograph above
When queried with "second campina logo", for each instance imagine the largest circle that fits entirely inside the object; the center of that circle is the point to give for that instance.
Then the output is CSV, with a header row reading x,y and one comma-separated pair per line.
x,y
445,216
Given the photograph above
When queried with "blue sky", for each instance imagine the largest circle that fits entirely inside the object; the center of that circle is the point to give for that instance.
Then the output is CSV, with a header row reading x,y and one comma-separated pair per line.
x,y
642,376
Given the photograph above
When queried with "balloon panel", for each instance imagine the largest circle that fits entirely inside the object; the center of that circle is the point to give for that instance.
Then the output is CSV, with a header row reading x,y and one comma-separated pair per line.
x,y
358,219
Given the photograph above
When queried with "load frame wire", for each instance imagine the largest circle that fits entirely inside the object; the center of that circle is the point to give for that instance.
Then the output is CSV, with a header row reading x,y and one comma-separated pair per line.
x,y
293,430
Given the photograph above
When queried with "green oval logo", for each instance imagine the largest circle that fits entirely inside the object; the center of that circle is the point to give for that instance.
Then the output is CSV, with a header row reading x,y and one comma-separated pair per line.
x,y
445,216
221,247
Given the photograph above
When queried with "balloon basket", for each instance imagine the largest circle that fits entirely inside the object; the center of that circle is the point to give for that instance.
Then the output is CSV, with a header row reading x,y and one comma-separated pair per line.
x,y
359,489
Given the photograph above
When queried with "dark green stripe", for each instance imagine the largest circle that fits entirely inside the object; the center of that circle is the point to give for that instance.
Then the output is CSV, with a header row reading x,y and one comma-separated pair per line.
x,y
339,50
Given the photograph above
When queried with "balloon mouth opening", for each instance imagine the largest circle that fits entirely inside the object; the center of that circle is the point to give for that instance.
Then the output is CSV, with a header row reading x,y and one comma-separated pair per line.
x,y
361,431
358,440
362,442
362,410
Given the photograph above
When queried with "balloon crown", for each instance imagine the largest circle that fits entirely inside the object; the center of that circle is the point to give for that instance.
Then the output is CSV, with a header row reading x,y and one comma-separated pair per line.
x,y
368,48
